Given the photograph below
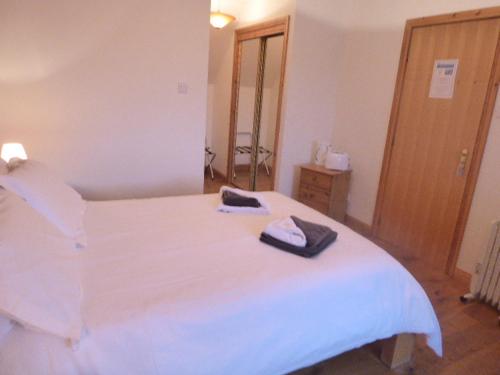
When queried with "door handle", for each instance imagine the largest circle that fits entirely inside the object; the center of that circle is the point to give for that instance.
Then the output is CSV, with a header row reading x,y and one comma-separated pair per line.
x,y
464,155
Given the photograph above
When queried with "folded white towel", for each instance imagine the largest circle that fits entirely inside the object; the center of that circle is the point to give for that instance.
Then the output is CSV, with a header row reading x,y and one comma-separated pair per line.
x,y
285,230
264,208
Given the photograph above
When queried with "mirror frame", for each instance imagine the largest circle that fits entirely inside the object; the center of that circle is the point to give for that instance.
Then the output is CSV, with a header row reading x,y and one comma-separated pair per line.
x,y
276,27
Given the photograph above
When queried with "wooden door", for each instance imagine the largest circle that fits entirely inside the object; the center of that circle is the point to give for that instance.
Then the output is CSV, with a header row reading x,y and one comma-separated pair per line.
x,y
427,163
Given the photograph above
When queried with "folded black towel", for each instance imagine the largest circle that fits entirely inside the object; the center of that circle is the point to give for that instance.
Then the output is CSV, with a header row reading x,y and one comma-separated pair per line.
x,y
318,237
236,200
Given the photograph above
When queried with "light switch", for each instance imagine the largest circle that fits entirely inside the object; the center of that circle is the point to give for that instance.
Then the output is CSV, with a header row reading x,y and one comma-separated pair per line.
x,y
182,88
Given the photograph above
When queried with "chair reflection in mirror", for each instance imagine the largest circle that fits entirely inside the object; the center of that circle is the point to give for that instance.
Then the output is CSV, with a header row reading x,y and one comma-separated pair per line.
x,y
243,140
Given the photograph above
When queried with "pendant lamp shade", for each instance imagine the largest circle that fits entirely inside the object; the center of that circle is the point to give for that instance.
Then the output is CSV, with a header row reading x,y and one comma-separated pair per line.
x,y
219,19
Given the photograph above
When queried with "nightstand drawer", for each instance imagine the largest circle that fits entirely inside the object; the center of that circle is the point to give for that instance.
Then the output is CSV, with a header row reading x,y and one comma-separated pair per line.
x,y
308,193
318,180
324,190
318,206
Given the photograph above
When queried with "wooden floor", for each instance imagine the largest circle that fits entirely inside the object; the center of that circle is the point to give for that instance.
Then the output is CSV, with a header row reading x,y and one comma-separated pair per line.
x,y
242,181
212,186
471,334
263,182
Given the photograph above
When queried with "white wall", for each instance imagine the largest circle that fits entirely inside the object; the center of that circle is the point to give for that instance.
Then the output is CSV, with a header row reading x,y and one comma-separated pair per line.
x,y
91,89
210,115
220,73
372,33
311,92
486,203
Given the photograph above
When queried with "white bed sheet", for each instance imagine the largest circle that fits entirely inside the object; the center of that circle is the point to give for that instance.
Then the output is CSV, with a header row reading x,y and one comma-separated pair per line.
x,y
173,287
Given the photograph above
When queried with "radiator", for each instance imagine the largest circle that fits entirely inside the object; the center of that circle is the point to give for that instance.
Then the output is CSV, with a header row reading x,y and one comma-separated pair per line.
x,y
486,287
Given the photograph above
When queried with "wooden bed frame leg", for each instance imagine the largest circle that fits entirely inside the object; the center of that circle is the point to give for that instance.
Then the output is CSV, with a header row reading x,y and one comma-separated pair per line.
x,y
398,350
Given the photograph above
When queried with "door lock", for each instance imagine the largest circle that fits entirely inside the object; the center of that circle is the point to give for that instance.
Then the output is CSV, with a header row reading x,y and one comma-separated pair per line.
x,y
464,155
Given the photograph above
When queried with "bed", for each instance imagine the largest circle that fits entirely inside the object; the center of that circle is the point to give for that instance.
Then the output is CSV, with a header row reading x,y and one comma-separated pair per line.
x,y
171,286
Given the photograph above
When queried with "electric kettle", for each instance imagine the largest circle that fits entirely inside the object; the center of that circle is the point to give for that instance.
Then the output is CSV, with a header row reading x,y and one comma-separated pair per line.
x,y
337,160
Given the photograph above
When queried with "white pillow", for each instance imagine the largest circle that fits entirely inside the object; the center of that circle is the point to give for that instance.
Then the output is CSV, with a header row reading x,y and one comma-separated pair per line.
x,y
40,277
50,196
3,167
5,326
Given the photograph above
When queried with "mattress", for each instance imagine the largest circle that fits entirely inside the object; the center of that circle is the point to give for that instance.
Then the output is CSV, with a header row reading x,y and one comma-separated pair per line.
x,y
173,287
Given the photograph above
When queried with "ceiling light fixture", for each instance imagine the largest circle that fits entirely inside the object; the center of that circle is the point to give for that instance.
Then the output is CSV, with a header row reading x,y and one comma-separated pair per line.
x,y
219,19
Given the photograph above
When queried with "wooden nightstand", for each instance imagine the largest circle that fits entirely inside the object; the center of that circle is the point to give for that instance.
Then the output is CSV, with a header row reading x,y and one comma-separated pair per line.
x,y
324,190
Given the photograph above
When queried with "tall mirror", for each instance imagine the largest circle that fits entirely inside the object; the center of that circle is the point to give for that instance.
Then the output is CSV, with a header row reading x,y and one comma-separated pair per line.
x,y
245,114
258,75
269,114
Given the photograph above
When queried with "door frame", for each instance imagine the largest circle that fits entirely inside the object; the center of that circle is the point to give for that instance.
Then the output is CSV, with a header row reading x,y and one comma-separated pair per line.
x,y
279,26
484,125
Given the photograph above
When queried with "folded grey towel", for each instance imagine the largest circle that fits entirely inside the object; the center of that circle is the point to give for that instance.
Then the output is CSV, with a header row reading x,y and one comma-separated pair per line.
x,y
230,198
319,237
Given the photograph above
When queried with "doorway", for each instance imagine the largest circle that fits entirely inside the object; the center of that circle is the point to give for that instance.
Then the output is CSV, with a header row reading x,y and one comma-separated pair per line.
x,y
442,108
255,116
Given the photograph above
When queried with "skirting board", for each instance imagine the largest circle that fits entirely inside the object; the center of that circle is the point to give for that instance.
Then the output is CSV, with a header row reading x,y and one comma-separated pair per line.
x,y
358,226
462,276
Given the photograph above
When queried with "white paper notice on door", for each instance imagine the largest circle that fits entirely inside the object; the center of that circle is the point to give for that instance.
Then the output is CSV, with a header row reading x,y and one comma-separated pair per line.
x,y
443,79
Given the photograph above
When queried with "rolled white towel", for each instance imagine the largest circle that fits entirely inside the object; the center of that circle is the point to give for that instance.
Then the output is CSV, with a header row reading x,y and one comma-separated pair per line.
x,y
264,208
285,230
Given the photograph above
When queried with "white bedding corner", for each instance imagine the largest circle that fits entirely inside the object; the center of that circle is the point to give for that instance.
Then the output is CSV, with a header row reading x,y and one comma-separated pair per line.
x,y
171,286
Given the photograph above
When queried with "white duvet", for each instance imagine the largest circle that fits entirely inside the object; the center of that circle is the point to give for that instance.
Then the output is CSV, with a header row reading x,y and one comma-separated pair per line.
x,y
171,286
